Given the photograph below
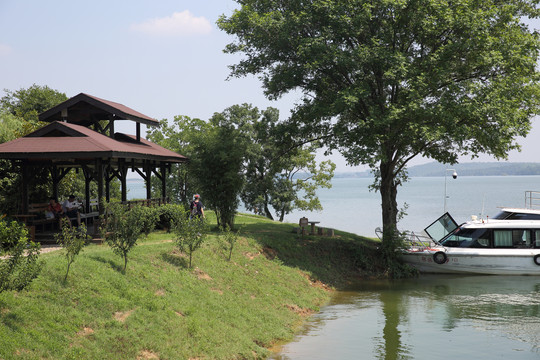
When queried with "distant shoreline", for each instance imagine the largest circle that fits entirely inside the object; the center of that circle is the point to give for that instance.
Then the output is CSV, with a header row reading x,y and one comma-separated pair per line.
x,y
434,169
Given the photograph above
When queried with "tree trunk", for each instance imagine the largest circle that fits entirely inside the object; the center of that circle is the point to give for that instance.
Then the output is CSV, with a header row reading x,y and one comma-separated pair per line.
x,y
267,212
388,189
282,215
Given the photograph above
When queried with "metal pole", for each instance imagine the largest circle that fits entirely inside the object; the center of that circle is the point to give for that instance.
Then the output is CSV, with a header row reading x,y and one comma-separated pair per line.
x,y
454,175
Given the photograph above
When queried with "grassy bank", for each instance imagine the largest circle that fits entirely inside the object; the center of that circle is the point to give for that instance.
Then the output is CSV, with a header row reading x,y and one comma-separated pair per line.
x,y
161,309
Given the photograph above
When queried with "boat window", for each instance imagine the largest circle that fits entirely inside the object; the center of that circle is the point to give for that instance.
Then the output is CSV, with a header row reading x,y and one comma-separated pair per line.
x,y
502,238
502,215
537,238
521,238
506,215
512,238
476,238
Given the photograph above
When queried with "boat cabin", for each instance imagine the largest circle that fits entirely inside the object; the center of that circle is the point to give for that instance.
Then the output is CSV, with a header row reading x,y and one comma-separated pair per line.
x,y
518,234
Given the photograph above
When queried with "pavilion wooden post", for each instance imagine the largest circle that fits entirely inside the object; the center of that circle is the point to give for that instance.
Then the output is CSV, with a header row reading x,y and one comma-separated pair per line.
x,y
55,180
148,172
122,172
163,181
162,176
111,126
99,166
24,192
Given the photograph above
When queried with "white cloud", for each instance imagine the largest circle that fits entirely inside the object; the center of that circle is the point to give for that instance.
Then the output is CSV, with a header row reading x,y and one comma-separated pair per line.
x,y
178,24
5,50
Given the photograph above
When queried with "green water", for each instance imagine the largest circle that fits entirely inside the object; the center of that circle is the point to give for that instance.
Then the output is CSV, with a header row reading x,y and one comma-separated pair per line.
x,y
432,317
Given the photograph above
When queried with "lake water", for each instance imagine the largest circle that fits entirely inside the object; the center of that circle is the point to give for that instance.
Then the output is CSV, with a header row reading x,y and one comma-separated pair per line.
x,y
432,317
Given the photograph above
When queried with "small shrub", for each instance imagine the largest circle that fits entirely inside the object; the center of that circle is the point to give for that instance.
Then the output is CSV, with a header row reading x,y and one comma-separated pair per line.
x,y
19,264
190,234
230,238
72,240
121,229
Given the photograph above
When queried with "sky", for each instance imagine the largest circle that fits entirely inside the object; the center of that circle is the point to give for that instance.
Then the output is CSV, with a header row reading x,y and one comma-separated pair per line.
x,y
162,58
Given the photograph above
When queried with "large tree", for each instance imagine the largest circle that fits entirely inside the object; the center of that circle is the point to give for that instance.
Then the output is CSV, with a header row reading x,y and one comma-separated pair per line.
x,y
218,160
19,112
386,81
278,175
27,104
180,136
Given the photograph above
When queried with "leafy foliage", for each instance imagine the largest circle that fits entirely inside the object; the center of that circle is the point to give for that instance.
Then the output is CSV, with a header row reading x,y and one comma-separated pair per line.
x,y
230,238
121,228
149,217
384,82
243,148
19,116
390,251
279,174
167,214
218,161
180,137
28,103
190,234
72,240
19,264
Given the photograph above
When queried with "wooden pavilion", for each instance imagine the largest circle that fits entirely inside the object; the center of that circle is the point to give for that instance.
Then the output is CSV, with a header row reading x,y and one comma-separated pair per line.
x,y
81,135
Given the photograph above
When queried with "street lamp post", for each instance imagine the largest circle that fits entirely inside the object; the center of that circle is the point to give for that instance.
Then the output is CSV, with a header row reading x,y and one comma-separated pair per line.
x,y
454,175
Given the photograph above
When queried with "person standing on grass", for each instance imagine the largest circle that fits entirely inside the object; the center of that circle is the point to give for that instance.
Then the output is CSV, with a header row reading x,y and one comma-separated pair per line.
x,y
196,208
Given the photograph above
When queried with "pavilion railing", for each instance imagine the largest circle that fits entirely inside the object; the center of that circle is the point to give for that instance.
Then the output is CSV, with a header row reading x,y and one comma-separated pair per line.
x,y
146,202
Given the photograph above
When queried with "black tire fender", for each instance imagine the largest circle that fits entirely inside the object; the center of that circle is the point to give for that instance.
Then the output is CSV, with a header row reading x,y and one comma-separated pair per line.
x,y
440,257
537,259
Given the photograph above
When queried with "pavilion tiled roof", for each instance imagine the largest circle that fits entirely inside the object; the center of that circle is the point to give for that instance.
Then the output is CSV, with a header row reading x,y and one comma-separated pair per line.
x,y
84,109
60,140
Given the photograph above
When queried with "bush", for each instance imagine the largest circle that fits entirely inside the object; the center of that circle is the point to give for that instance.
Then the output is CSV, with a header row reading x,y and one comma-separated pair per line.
x,y
190,234
230,238
121,229
72,240
391,254
148,216
19,264
168,215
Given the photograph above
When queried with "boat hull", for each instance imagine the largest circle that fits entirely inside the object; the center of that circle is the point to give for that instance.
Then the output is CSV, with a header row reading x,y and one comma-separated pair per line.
x,y
475,261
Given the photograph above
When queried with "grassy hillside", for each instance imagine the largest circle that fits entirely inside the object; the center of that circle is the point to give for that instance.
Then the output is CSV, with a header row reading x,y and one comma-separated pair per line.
x,y
161,309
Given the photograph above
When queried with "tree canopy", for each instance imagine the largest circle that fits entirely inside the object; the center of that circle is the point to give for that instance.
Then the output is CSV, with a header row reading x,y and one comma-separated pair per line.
x,y
243,152
278,175
386,81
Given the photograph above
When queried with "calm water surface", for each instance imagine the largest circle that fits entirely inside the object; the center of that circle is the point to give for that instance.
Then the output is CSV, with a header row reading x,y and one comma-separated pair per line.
x,y
432,317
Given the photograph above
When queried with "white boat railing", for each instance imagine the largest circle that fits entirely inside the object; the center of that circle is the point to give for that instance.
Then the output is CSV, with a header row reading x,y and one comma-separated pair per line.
x,y
417,241
412,240
532,199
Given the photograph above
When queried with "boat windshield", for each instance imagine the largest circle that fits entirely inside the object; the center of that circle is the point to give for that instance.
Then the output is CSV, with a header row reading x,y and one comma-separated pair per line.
x,y
475,238
510,215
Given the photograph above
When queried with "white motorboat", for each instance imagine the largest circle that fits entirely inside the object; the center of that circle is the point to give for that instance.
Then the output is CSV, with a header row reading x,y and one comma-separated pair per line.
x,y
507,244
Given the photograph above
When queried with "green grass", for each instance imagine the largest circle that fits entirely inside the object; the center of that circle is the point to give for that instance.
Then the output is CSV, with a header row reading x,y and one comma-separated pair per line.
x,y
159,308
